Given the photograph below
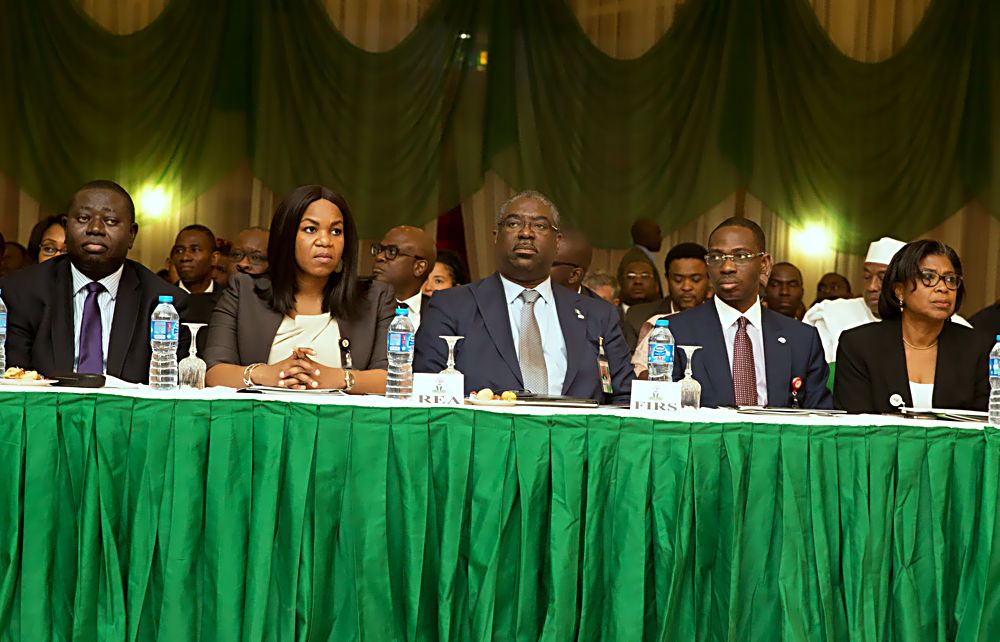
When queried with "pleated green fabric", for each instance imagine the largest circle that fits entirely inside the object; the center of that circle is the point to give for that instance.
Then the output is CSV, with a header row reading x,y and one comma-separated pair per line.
x,y
737,94
131,519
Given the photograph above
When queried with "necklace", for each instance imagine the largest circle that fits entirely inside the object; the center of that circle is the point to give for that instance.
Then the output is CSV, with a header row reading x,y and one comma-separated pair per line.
x,y
910,345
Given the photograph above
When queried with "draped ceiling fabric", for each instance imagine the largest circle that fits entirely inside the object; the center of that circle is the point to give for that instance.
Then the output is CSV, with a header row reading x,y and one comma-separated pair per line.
x,y
738,94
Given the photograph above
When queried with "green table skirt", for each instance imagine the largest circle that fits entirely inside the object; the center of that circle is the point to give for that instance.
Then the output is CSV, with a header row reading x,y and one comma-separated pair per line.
x,y
137,519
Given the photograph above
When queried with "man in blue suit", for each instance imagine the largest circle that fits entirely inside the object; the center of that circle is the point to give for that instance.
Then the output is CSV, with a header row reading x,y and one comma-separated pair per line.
x,y
750,356
521,331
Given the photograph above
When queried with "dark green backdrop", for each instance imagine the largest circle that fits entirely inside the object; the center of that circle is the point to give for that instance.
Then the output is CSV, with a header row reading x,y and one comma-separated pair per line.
x,y
738,93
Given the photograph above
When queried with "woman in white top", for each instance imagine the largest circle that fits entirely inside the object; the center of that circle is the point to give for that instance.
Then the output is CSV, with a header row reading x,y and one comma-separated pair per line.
x,y
309,322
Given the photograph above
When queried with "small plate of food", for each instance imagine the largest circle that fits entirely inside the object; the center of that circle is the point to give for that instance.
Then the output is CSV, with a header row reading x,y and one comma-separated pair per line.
x,y
21,377
487,397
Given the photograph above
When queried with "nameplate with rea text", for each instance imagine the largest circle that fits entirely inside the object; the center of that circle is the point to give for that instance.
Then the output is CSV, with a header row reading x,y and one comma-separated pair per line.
x,y
439,389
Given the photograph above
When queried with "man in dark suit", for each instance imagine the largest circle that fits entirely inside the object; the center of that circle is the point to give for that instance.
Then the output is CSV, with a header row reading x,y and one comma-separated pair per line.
x,y
521,331
88,311
750,355
193,254
404,259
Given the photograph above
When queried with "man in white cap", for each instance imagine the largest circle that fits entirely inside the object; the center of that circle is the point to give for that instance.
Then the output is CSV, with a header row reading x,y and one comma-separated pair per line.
x,y
830,318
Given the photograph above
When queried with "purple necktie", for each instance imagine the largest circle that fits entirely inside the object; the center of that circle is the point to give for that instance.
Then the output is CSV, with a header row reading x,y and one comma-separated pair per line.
x,y
91,333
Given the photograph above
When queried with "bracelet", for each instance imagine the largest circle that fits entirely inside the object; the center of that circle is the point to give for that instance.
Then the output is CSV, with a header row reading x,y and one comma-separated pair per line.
x,y
248,373
348,380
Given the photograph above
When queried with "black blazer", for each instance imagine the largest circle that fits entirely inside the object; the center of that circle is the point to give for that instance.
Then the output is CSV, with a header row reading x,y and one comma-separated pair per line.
x,y
791,349
243,325
487,357
40,332
871,367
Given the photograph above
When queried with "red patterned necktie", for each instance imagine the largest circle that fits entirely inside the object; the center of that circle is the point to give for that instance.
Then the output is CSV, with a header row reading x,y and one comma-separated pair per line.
x,y
744,374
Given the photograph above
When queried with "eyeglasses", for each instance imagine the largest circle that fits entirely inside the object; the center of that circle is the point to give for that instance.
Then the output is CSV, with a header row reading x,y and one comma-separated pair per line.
x,y
739,258
255,258
51,250
391,252
517,223
639,276
930,279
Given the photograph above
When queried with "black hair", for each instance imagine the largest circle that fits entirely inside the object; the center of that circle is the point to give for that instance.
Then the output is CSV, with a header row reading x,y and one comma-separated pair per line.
x,y
37,232
20,248
791,265
198,227
840,276
343,290
453,262
684,251
905,269
745,223
109,186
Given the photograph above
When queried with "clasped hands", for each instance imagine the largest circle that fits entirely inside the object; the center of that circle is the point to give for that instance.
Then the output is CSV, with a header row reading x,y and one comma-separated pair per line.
x,y
301,372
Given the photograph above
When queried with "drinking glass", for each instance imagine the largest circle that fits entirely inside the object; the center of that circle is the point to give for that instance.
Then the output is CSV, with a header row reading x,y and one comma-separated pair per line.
x,y
690,388
191,369
451,354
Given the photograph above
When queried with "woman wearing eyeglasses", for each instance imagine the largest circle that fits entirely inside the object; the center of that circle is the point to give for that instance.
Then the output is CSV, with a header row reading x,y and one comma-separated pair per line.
x,y
916,355
48,239
310,323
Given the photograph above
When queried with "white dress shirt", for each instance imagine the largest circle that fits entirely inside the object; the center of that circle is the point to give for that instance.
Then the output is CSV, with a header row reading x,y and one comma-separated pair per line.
x,y
729,317
210,289
413,303
105,300
553,341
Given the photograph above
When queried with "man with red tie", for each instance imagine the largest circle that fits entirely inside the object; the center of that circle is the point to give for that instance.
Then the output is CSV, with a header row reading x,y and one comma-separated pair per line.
x,y
750,355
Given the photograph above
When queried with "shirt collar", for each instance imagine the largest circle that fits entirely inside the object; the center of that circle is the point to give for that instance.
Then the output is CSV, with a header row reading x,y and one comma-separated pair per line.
x,y
110,282
209,290
512,290
729,315
414,302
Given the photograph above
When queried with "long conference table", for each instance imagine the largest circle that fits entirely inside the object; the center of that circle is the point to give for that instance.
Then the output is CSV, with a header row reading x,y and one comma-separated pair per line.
x,y
212,515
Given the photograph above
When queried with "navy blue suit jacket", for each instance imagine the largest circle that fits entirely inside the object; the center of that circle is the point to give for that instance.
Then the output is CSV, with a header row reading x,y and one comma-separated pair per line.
x,y
791,349
487,357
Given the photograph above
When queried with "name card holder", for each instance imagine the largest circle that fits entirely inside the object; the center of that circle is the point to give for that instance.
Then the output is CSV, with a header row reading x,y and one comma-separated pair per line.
x,y
655,397
438,389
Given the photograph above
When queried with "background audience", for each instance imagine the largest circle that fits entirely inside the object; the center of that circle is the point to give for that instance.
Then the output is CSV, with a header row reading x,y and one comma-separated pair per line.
x,y
47,239
783,292
448,272
603,285
248,254
404,259
832,286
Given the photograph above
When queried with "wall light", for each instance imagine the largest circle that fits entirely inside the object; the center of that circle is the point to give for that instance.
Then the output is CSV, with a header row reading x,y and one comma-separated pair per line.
x,y
814,239
153,201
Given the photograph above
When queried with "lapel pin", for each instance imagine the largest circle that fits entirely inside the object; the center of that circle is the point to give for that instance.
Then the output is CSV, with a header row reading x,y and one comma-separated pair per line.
x,y
578,314
781,339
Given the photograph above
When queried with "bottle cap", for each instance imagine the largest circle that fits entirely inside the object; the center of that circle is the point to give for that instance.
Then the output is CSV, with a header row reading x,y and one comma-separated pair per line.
x,y
998,337
402,312
662,323
166,298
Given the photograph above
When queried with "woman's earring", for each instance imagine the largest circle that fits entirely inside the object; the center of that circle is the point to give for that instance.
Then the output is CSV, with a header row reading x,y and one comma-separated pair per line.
x,y
901,304
340,267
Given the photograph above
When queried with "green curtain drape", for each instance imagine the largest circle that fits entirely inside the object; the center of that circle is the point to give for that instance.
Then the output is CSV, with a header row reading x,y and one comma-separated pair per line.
x,y
738,93
143,519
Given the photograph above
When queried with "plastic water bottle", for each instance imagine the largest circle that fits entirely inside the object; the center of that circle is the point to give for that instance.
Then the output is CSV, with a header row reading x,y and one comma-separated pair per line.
x,y
399,378
995,384
660,356
3,336
164,330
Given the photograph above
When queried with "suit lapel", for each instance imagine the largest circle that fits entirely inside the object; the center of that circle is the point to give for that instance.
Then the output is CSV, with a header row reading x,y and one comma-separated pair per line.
x,y
123,325
492,303
63,330
777,362
574,331
714,357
